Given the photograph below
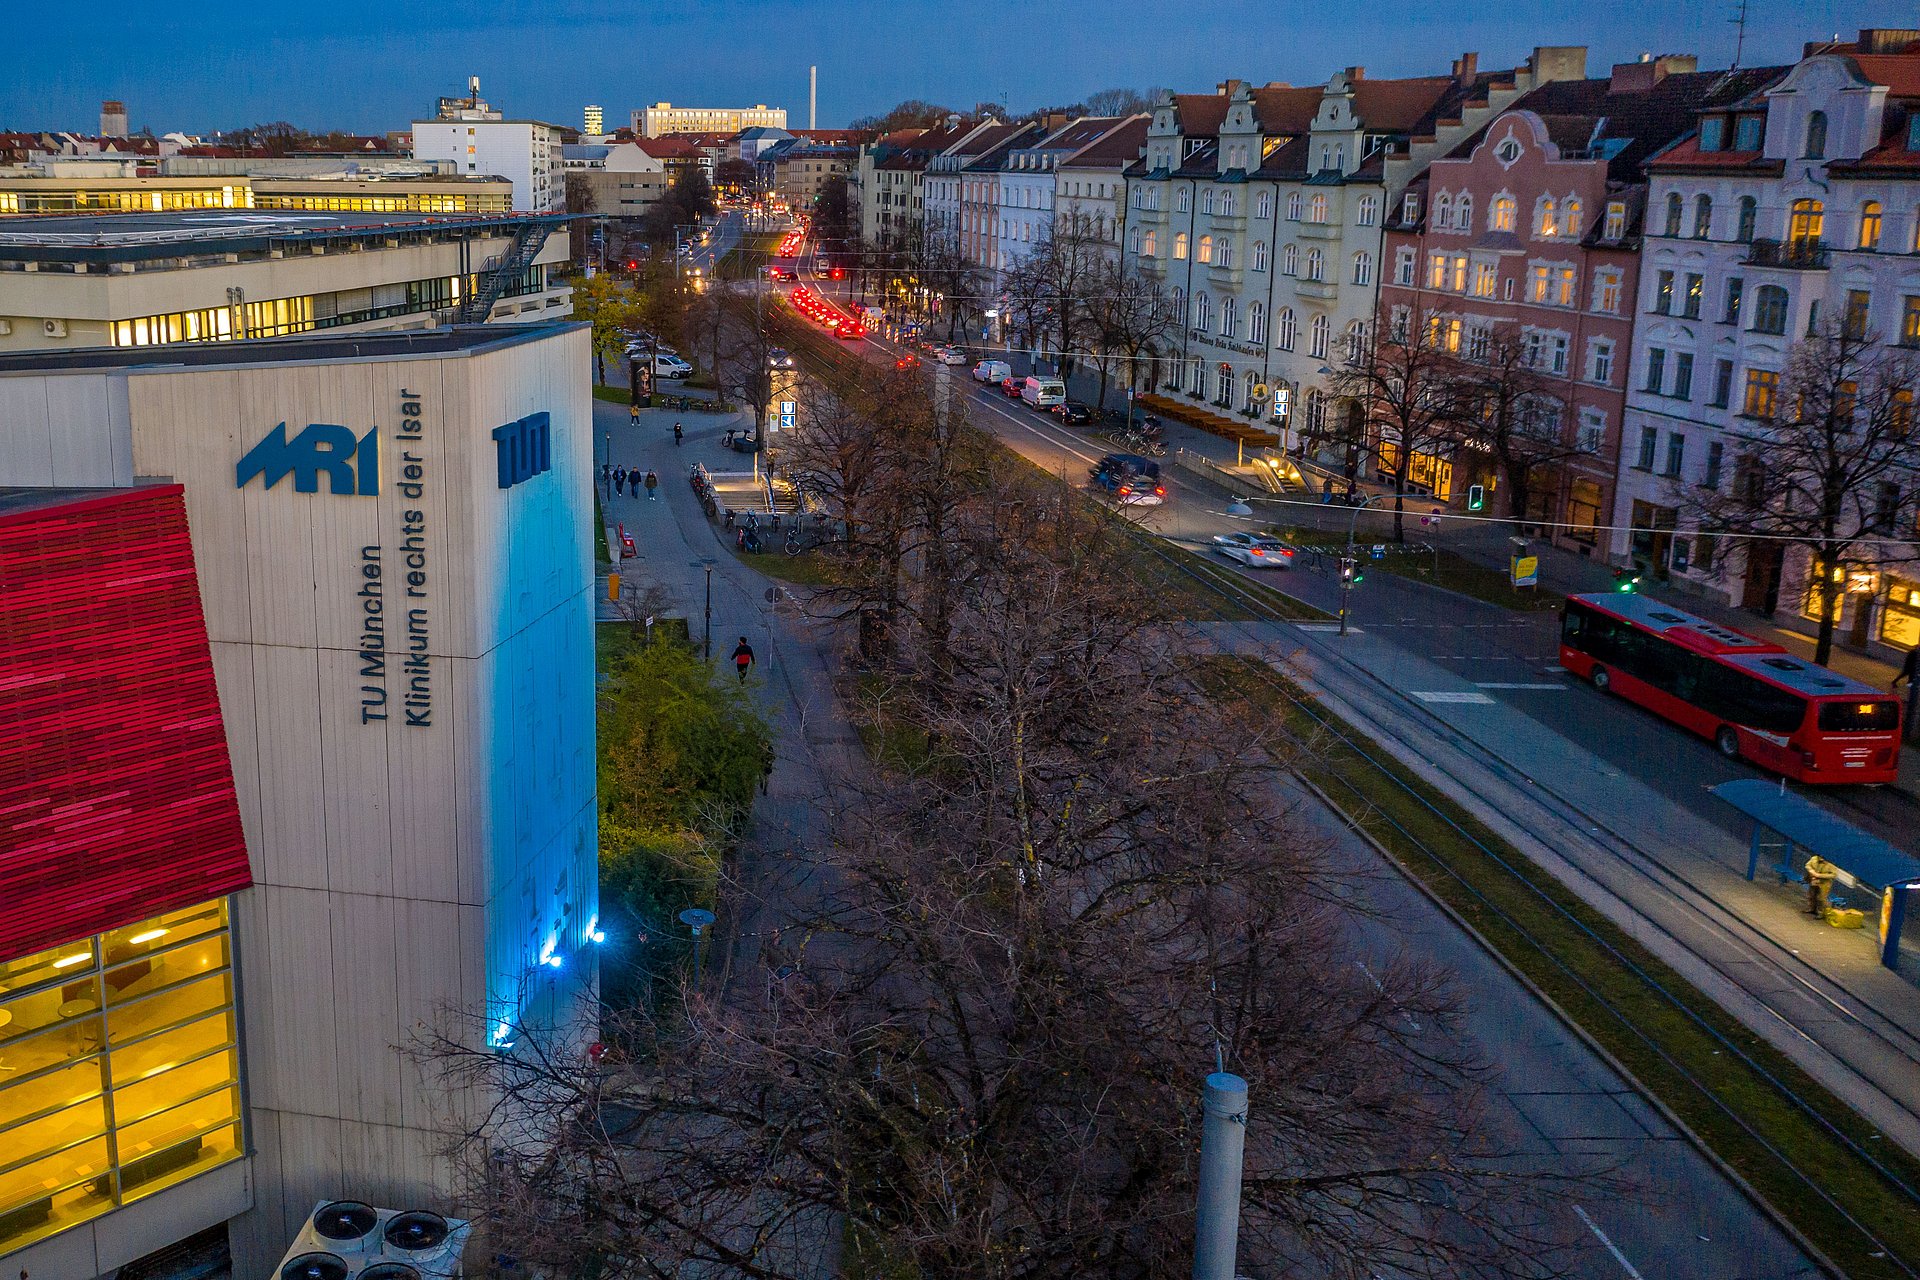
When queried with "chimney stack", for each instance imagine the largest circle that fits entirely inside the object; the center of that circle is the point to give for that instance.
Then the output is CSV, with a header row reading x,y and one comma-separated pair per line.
x,y
113,119
1466,67
1355,74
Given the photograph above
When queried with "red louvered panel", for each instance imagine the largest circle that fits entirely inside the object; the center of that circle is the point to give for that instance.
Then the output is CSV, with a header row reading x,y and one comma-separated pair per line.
x,y
116,795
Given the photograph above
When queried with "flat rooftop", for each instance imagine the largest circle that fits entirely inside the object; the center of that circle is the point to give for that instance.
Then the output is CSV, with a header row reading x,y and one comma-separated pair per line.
x,y
117,237
297,350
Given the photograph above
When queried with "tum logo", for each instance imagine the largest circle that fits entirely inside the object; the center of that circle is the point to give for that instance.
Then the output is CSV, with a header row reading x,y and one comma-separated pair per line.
x,y
524,448
351,465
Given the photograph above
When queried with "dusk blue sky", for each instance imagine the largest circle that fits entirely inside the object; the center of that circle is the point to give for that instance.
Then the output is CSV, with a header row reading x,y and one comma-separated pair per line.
x,y
373,65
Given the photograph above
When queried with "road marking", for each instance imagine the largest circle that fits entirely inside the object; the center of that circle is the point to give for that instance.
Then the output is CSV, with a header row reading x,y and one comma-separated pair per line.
x,y
1330,626
1474,699
1503,684
1612,1248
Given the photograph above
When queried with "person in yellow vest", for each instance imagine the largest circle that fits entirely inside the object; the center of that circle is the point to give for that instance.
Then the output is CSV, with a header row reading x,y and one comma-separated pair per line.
x,y
1820,874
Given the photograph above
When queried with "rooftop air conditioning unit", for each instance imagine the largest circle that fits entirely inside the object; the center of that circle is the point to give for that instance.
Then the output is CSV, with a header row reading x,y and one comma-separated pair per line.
x,y
348,1240
55,328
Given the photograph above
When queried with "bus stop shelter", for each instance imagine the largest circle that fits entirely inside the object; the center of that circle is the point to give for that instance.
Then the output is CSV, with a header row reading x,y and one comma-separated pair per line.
x,y
1786,822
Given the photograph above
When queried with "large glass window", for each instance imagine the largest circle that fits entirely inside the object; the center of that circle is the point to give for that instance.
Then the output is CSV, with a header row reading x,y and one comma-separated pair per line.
x,y
119,1071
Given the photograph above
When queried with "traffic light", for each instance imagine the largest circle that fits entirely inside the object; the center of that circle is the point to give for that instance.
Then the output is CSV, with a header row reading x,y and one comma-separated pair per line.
x,y
1349,571
1476,497
1626,581
1359,573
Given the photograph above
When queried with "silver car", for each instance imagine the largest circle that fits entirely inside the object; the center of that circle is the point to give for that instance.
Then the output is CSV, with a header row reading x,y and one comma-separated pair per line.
x,y
1255,550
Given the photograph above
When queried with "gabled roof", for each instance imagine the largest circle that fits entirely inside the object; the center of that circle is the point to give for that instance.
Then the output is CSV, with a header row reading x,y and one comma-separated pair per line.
x,y
1119,147
1283,109
1082,132
991,148
1400,106
1196,114
1900,72
669,147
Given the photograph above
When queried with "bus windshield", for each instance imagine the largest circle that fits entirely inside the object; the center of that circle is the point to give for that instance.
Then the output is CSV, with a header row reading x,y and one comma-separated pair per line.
x,y
1860,717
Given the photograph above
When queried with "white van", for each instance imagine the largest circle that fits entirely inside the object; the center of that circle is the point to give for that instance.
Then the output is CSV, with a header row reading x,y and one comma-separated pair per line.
x,y
1042,392
992,371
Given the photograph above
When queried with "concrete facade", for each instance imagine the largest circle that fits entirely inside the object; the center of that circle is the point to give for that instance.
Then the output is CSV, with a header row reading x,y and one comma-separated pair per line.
x,y
525,152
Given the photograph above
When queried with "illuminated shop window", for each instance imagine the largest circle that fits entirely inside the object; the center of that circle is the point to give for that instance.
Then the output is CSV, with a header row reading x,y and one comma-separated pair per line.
x,y
119,1072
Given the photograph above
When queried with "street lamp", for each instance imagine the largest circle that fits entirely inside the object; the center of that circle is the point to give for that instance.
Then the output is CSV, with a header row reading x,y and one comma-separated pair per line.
x,y
706,643
1349,563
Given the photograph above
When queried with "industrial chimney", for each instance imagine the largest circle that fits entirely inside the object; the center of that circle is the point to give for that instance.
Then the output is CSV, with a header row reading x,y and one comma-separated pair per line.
x,y
813,89
113,119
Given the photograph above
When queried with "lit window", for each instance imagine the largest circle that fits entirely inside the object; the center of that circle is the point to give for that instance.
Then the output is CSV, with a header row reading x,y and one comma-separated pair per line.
x,y
1870,225
1763,389
1501,217
1180,245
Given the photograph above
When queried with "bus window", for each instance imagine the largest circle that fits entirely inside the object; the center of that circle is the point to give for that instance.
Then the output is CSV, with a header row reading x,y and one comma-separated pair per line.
x,y
1859,717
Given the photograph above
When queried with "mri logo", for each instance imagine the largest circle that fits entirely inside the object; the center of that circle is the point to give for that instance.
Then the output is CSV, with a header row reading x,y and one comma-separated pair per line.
x,y
351,465
525,448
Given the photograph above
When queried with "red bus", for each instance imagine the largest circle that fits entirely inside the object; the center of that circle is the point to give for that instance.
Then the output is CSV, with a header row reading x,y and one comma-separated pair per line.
x,y
1752,698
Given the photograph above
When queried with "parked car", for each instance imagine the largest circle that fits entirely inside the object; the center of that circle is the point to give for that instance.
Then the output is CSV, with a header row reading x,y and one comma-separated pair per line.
x,y
1129,479
1073,413
992,371
1043,392
779,358
949,355
1012,388
671,366
1255,550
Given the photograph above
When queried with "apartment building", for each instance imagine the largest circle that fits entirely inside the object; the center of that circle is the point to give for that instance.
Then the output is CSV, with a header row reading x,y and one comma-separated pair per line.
x,y
1090,185
1521,248
152,279
1025,212
480,141
1261,210
942,188
1792,207
980,198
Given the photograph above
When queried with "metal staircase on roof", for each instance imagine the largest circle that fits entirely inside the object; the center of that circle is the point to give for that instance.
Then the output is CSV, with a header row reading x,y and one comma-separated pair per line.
x,y
528,239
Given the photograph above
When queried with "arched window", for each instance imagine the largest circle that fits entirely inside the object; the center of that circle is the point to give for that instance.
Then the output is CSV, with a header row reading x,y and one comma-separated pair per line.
x,y
1501,217
1572,220
1816,136
1181,197
1545,225
1806,219
1179,245
1675,209
1316,265
1318,333
1363,267
1317,209
1316,412
1702,216
1204,252
1870,225
1206,200
1463,213
1369,212
1443,210
1263,207
1744,224
1202,311
1133,240
1356,341
1259,255
1256,322
1151,246
1293,206
1223,253
1226,204
1289,260
1283,337
1229,317
1770,309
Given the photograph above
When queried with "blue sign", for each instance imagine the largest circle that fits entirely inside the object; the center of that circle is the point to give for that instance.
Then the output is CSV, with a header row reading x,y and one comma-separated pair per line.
x,y
524,448
351,465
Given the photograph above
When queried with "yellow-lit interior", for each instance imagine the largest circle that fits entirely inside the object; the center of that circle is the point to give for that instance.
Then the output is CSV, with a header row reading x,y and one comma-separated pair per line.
x,y
119,1073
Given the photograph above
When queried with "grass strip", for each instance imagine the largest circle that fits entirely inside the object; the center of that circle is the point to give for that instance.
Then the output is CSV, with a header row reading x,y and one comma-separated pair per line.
x,y
1663,1030
1440,567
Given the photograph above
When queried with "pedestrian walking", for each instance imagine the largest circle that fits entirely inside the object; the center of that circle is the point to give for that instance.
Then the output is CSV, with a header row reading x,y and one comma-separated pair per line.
x,y
742,658
606,476
677,434
1820,874
652,482
633,413
620,480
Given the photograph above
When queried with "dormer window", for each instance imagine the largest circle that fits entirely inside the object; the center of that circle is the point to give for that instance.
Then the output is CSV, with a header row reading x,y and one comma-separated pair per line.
x,y
1410,209
1713,133
1913,131
1747,132
1616,220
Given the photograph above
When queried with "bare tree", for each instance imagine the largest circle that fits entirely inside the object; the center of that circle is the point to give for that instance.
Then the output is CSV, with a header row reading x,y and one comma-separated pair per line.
x,y
1404,380
974,1053
1508,409
1131,318
1824,461
1120,102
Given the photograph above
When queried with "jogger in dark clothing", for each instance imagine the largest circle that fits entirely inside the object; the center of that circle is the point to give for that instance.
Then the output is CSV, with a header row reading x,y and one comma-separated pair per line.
x,y
742,658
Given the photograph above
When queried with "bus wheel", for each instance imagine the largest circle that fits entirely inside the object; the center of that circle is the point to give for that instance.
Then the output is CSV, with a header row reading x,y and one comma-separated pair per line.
x,y
1602,678
1728,741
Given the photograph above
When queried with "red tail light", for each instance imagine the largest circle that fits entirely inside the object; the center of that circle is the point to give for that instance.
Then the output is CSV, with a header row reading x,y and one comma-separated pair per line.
x,y
1257,551
1125,489
1159,491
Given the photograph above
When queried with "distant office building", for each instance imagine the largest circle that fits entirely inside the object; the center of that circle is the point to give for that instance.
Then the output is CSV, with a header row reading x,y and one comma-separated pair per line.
x,y
616,179
113,119
337,734
206,181
147,279
664,117
479,140
595,123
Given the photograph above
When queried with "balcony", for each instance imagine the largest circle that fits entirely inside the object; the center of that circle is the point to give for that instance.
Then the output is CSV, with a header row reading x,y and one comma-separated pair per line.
x,y
1790,255
1319,230
1322,290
